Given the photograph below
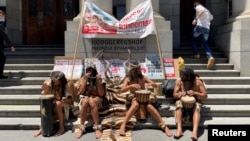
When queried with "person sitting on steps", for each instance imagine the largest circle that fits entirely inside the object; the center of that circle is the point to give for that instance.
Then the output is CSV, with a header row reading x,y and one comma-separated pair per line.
x,y
189,85
135,81
57,85
91,90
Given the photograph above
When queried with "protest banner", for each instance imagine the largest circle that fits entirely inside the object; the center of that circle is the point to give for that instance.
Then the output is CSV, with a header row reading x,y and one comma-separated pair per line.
x,y
138,23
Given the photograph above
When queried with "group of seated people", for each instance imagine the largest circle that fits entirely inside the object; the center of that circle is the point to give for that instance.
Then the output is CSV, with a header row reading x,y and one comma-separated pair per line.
x,y
90,91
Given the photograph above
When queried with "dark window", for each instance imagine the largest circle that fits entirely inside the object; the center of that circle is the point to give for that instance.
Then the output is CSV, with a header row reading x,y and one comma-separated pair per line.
x,y
119,11
47,8
33,7
68,8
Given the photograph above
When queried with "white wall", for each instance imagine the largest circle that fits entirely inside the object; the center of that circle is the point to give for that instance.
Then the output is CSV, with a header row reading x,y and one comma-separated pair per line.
x,y
2,2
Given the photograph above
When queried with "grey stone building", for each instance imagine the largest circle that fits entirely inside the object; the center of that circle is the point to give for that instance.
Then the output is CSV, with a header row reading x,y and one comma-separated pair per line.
x,y
52,22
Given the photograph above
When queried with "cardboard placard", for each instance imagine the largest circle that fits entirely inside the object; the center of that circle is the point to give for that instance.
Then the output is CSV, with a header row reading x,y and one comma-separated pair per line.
x,y
171,68
67,64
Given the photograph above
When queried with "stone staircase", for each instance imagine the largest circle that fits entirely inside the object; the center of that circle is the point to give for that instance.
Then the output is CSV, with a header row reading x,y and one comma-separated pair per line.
x,y
228,94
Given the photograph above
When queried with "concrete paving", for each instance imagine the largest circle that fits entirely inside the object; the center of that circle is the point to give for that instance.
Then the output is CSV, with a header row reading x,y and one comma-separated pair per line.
x,y
137,135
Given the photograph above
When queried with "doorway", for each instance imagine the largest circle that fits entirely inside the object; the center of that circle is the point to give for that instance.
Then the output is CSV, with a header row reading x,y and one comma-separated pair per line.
x,y
187,13
44,21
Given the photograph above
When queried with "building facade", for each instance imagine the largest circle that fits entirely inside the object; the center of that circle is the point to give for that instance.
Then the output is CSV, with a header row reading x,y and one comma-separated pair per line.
x,y
51,22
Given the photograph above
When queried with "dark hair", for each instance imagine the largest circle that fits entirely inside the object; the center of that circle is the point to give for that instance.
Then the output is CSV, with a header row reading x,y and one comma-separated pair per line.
x,y
58,75
93,70
135,72
189,72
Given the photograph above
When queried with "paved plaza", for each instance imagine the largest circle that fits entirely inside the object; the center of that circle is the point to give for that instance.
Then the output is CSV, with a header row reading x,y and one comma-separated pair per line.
x,y
137,135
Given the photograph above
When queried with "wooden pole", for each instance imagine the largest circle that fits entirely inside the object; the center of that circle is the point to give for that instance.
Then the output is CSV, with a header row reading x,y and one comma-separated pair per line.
x,y
77,37
158,44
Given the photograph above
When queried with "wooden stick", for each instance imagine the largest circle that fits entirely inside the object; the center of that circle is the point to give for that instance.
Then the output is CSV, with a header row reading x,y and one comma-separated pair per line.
x,y
158,45
77,38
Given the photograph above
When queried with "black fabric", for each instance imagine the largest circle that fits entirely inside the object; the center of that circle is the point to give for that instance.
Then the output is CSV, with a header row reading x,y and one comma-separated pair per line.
x,y
168,87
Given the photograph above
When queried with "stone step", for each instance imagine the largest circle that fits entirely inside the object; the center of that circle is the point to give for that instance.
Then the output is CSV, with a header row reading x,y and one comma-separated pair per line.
x,y
204,61
50,66
29,50
27,73
32,55
20,99
212,89
207,110
188,54
208,80
213,99
33,123
218,73
19,110
226,80
42,60
216,66
17,81
44,73
29,66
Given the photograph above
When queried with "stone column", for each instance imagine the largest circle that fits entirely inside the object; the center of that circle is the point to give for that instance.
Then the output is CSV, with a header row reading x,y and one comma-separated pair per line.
x,y
240,10
105,5
233,38
131,4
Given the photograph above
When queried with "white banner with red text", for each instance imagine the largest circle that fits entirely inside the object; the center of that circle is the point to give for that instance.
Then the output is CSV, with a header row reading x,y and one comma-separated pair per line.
x,y
138,23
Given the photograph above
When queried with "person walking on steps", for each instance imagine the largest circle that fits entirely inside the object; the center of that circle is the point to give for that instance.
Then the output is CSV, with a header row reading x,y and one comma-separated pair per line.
x,y
3,38
201,31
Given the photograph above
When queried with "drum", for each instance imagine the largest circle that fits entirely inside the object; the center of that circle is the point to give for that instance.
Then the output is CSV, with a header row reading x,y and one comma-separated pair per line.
x,y
188,102
47,120
142,96
158,89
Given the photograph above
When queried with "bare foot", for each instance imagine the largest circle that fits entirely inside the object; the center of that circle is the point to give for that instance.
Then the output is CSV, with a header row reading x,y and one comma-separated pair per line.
x,y
37,133
98,134
78,133
168,132
194,137
122,132
178,135
59,132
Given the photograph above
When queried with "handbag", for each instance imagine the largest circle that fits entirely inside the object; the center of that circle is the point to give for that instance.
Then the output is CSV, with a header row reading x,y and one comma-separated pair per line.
x,y
168,87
